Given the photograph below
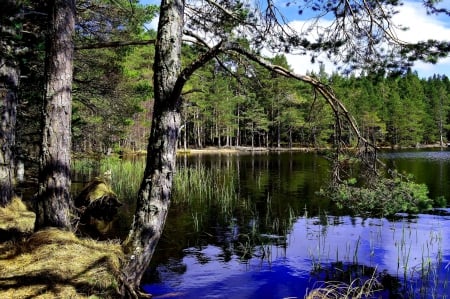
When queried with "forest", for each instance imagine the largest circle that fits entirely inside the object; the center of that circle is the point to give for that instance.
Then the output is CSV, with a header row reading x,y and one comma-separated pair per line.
x,y
89,77
254,107
241,105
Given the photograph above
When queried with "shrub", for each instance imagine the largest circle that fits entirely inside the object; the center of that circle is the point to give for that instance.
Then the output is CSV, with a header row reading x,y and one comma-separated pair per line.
x,y
382,196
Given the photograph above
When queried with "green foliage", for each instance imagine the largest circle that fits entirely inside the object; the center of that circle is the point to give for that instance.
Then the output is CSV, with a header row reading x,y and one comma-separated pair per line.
x,y
382,197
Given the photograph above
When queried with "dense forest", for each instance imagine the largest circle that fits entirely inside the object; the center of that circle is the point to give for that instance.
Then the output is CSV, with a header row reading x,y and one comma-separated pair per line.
x,y
254,107
229,102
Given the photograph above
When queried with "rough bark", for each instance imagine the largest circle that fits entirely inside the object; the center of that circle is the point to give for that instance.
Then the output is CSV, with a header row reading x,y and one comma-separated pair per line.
x,y
53,203
155,191
9,83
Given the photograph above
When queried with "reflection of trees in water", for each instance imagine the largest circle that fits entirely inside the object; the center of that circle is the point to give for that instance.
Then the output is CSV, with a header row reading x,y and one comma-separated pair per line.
x,y
271,192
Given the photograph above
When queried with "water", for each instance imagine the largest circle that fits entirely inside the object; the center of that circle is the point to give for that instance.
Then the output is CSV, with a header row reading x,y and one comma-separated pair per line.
x,y
280,240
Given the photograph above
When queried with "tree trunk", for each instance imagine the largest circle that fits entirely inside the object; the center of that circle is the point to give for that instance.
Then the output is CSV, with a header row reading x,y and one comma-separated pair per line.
x,y
155,192
9,82
54,203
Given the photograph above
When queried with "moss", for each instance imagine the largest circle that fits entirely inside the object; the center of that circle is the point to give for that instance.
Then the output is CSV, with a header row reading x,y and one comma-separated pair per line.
x,y
98,200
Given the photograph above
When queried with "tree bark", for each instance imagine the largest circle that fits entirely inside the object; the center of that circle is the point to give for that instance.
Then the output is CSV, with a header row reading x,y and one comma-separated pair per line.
x,y
53,202
9,82
155,192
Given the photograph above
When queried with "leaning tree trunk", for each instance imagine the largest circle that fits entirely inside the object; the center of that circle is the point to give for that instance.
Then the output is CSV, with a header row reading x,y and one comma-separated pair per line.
x,y
53,203
155,190
9,83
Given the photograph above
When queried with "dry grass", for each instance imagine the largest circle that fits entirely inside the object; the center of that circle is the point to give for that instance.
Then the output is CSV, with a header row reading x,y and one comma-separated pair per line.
x,y
55,264
340,290
16,217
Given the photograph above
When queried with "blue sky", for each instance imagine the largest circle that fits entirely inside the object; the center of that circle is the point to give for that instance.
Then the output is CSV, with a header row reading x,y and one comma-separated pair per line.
x,y
412,15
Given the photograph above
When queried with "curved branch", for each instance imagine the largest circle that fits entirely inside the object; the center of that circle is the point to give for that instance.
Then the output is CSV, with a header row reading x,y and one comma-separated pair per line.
x,y
190,69
336,105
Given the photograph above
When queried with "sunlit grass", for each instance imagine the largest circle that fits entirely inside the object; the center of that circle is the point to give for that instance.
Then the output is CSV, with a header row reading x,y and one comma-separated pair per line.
x,y
56,264
205,186
16,216
340,290
126,175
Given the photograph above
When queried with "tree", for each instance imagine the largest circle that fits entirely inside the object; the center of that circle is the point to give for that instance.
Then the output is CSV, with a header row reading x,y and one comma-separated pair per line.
x,y
108,92
9,84
154,194
53,202
436,98
357,45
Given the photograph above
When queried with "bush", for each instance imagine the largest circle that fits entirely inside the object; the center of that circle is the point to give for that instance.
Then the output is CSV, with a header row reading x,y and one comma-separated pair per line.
x,y
382,196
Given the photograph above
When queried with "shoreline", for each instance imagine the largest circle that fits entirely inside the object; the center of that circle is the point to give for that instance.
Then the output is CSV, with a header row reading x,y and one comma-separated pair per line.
x,y
248,149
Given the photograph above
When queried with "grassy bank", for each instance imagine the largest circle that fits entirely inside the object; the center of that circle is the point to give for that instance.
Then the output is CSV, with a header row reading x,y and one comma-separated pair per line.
x,y
53,263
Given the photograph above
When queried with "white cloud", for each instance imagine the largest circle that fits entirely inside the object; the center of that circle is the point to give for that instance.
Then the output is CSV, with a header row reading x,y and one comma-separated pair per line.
x,y
420,27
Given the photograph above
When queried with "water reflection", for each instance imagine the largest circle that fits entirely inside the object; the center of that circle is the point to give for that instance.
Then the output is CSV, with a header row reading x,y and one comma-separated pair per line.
x,y
416,251
280,239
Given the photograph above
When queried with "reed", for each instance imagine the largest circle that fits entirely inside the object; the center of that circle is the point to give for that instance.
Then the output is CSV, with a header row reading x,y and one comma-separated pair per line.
x,y
203,186
415,277
126,175
355,290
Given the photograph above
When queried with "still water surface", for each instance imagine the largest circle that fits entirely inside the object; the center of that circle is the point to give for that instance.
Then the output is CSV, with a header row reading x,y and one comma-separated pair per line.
x,y
280,240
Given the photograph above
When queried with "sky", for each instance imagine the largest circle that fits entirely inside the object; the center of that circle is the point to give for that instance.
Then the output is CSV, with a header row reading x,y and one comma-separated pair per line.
x,y
411,14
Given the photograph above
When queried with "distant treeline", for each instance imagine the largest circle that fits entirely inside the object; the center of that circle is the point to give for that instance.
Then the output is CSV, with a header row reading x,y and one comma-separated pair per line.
x,y
227,104
236,104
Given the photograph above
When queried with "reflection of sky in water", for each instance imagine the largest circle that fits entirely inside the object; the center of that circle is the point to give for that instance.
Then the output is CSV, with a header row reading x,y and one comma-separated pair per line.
x,y
434,155
398,247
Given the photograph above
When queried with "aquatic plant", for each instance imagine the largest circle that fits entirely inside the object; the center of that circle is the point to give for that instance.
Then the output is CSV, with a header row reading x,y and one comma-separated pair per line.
x,y
126,175
382,196
200,185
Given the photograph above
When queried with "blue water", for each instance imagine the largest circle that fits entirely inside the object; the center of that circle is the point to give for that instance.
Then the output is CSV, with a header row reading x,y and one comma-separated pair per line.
x,y
418,248
409,256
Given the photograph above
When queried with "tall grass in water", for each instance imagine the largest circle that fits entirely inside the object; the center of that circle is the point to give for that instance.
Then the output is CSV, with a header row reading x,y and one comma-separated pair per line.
x,y
198,185
126,174
419,264
203,186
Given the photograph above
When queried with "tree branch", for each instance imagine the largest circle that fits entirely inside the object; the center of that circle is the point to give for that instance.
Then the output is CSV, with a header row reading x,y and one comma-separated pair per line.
x,y
337,106
189,70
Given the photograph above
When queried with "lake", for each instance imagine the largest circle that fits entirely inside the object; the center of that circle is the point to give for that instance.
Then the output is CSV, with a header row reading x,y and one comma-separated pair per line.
x,y
278,239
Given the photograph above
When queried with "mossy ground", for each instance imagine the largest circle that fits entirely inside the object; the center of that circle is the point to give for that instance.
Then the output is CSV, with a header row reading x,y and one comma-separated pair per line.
x,y
53,263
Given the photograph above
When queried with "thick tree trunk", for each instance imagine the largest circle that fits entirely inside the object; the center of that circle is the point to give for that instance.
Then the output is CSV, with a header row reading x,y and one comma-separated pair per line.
x,y
9,82
53,203
155,191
